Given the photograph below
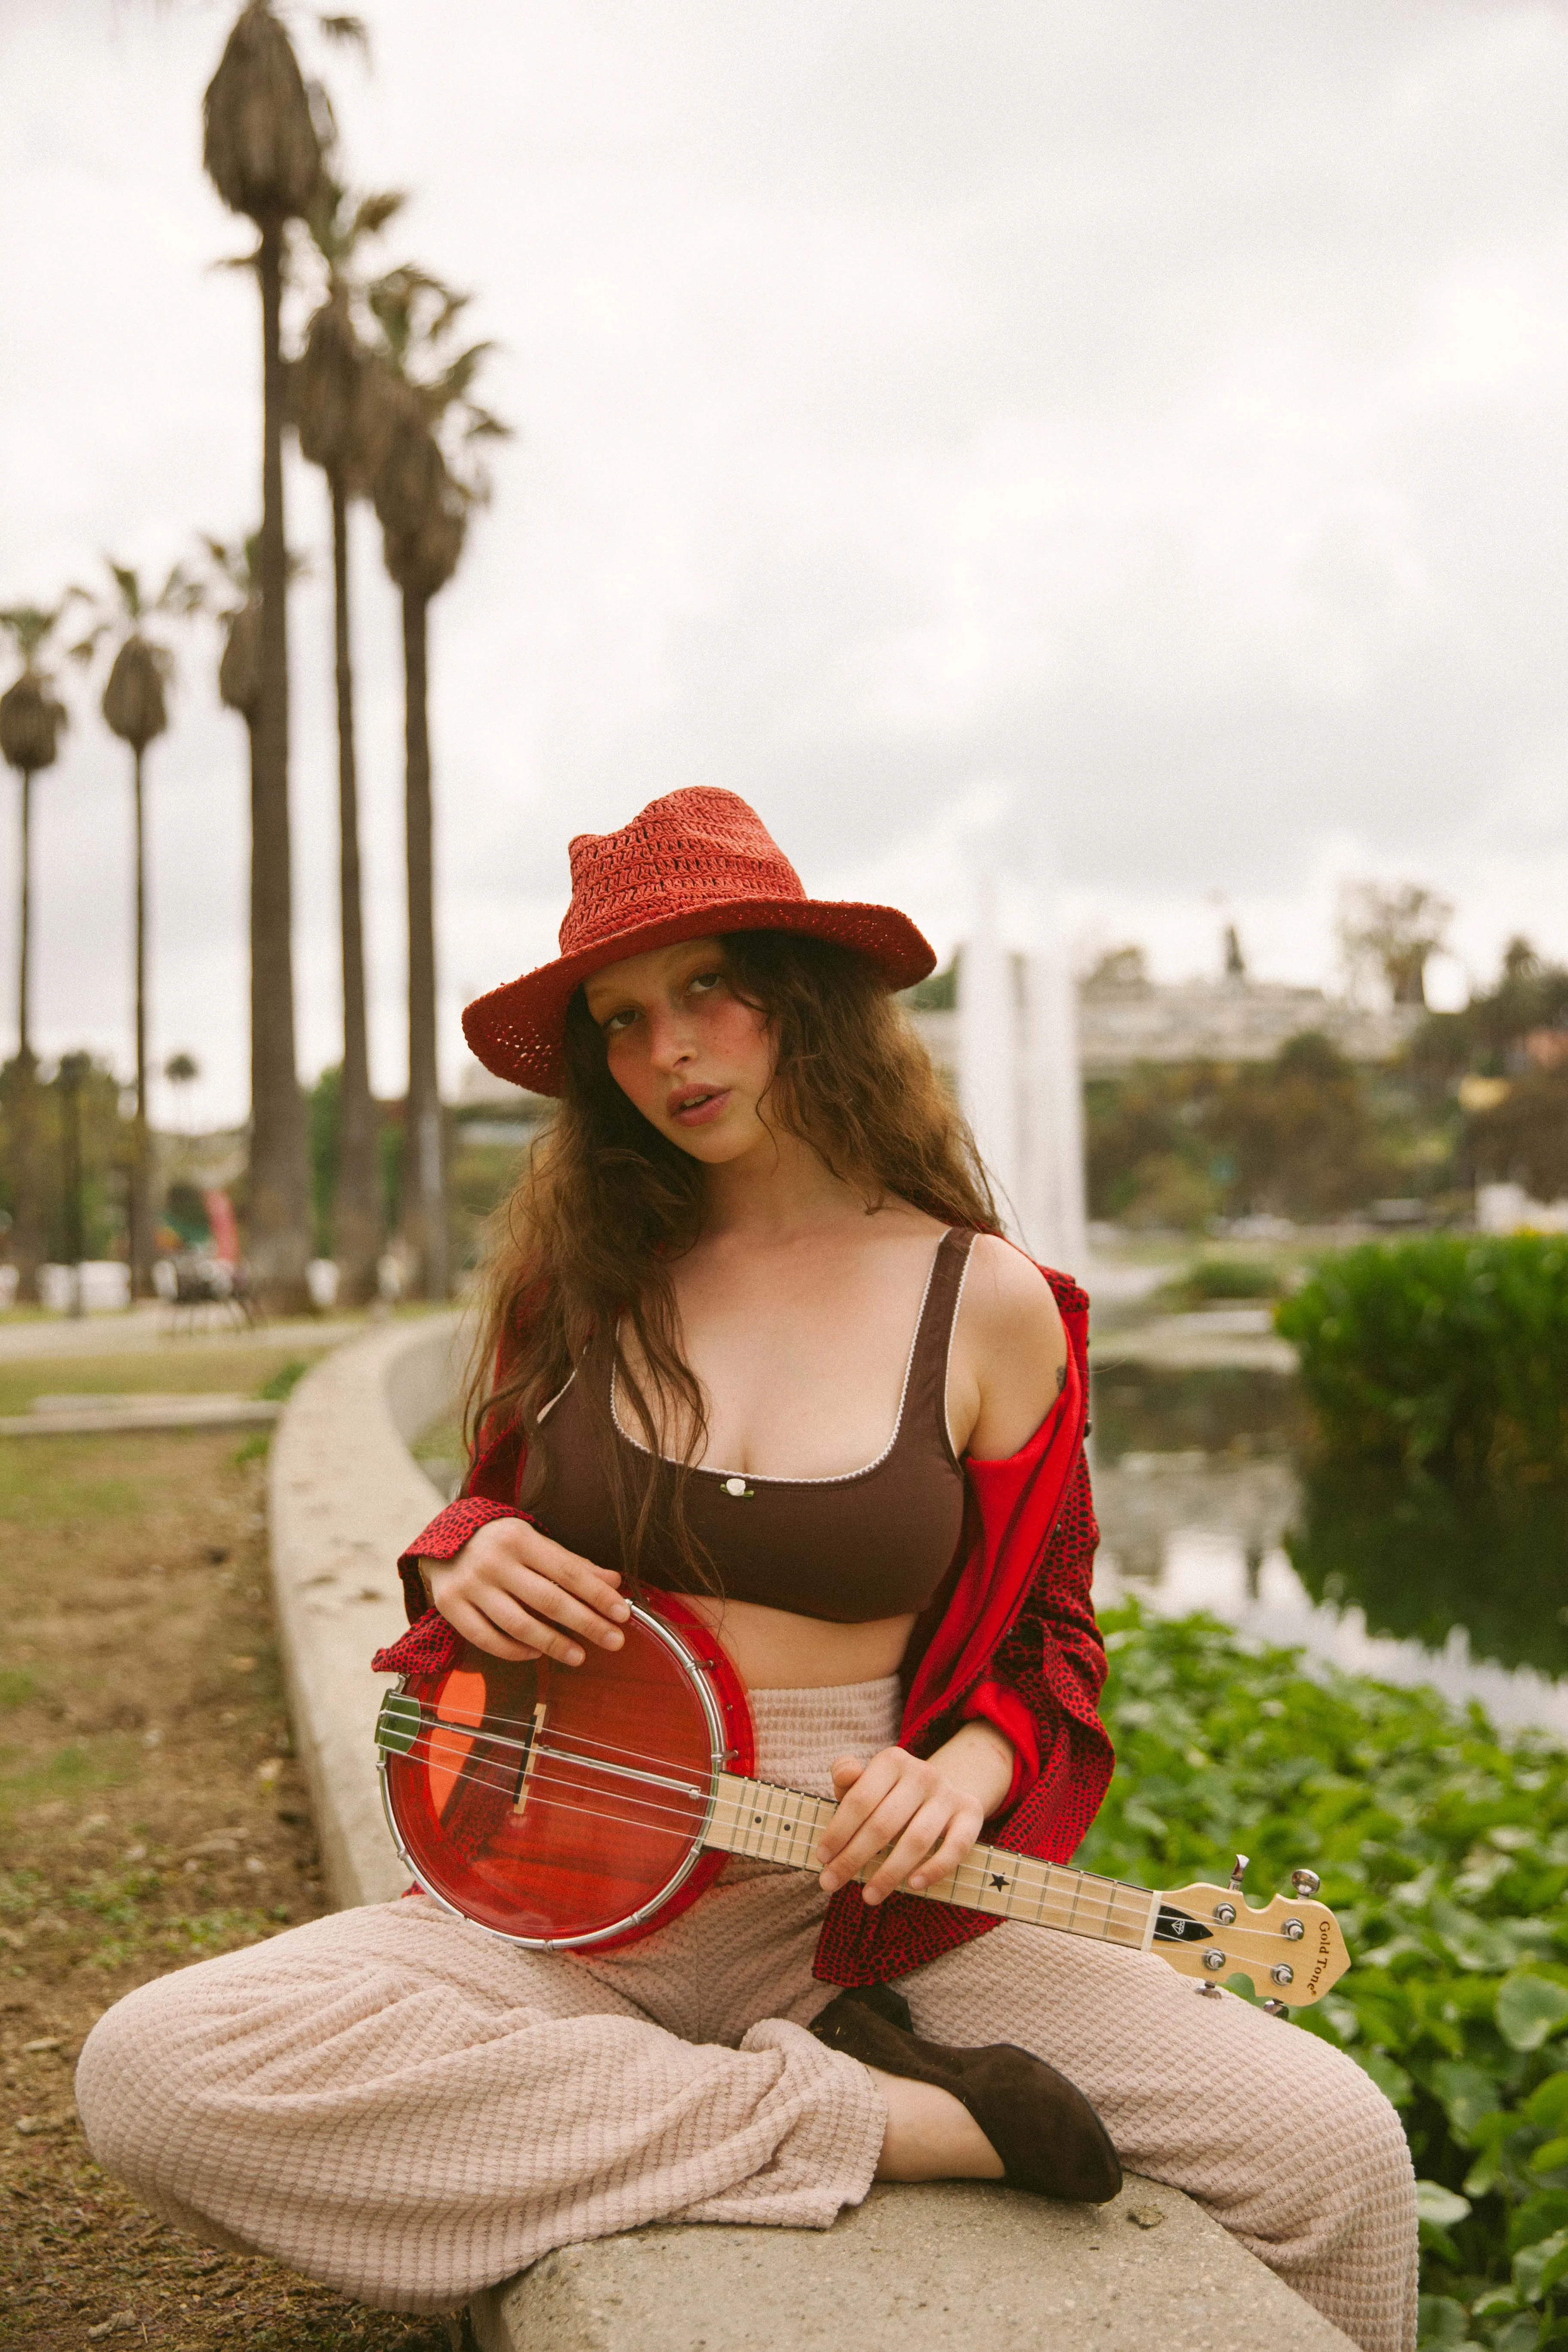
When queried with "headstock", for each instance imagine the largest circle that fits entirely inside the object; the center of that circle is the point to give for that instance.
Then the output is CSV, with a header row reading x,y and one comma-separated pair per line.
x,y
1292,1950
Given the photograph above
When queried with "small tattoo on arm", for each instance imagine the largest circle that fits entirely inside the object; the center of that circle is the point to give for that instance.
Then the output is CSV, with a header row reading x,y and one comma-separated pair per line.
x,y
1061,1378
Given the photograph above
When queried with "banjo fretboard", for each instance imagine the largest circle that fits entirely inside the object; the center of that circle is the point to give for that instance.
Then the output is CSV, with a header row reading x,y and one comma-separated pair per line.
x,y
769,1824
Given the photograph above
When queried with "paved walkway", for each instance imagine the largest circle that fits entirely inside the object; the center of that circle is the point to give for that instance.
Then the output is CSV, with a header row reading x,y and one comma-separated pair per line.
x,y
1217,1338
146,1329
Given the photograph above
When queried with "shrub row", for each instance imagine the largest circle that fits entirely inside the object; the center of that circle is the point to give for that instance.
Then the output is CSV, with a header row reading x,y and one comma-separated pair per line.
x,y
1444,1356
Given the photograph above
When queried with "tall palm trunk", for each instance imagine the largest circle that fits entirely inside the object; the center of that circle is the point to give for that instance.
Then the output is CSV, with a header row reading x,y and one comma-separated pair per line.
x,y
280,1188
356,1214
28,1242
140,1156
25,951
424,1157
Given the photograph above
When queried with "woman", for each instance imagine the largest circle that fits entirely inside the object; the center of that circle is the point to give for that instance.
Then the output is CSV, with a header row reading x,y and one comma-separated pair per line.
x,y
753,1337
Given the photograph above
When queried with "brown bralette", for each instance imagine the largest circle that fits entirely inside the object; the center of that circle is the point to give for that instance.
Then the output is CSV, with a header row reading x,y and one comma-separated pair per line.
x,y
874,1543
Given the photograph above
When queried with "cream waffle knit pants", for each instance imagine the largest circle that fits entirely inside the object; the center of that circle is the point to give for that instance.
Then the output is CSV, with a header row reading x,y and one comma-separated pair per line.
x,y
403,2107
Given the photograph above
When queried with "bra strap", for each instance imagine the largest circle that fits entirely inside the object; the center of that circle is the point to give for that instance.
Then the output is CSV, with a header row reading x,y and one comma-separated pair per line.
x,y
925,1406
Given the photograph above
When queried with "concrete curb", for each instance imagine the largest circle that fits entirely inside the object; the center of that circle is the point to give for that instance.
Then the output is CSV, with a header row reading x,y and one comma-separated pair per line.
x,y
938,2269
911,2270
345,1496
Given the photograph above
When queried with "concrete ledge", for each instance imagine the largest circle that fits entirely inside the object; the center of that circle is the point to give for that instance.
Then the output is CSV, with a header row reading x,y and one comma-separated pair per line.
x,y
345,1496
939,2269
58,1417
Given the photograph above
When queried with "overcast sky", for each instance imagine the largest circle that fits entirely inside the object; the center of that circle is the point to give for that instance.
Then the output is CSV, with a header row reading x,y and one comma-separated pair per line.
x,y
1146,419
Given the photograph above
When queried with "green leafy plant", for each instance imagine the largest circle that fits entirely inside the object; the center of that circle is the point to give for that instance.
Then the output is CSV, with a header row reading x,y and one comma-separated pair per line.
x,y
1444,1849
1446,1356
1212,1280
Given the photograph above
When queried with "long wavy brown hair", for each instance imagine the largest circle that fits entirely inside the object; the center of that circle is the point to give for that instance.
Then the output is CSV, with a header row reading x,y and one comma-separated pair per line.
x,y
582,1253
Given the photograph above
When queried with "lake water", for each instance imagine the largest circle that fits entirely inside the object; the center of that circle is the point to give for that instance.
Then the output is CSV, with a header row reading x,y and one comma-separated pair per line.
x,y
1204,1503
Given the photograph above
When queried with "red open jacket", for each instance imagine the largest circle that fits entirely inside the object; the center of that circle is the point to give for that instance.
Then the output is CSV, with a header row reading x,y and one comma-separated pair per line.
x,y
1010,1638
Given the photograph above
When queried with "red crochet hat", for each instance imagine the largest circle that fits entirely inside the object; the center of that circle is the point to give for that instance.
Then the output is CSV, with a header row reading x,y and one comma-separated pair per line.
x,y
695,864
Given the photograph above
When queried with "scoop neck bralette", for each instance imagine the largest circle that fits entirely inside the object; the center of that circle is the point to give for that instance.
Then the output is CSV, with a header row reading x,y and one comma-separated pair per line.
x,y
848,1549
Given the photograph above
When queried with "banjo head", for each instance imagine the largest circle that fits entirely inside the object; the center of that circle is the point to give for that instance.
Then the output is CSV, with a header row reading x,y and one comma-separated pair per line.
x,y
558,1806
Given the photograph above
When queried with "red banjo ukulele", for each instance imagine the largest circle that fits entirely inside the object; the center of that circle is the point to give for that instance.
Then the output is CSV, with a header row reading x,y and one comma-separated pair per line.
x,y
569,1809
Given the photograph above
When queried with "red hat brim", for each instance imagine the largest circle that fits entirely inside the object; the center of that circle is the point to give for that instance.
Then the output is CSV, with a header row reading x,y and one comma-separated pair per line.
x,y
518,1031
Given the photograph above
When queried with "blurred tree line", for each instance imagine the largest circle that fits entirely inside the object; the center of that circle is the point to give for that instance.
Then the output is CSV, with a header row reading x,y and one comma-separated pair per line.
x,y
480,1173
81,1118
1479,1095
85,1142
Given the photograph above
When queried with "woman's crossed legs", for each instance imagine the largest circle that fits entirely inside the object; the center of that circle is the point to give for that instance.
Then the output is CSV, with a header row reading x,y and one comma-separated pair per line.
x,y
409,2110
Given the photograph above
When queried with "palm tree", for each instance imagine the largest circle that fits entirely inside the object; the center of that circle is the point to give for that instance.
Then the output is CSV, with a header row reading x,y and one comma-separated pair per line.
x,y
236,598
343,429
32,719
262,151
135,708
422,506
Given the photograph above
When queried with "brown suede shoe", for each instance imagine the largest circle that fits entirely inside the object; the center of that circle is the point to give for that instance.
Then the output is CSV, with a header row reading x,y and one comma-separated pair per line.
x,y
1047,2135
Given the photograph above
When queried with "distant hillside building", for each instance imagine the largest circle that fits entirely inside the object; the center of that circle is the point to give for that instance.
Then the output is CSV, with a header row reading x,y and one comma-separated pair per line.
x,y
1125,1018
1236,1019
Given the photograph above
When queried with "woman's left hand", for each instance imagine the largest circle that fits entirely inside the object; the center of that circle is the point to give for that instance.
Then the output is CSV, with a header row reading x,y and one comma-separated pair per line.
x,y
926,1810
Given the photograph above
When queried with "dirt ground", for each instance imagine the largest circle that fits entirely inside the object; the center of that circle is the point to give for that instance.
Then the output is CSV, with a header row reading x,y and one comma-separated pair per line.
x,y
150,1814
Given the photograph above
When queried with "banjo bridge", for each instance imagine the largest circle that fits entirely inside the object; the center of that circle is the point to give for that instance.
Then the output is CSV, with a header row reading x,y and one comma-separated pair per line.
x,y
529,1743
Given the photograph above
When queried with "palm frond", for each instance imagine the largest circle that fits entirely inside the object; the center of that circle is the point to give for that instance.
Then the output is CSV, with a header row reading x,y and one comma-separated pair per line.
x,y
29,626
323,120
330,233
129,585
374,212
454,380
346,32
451,309
182,593
233,561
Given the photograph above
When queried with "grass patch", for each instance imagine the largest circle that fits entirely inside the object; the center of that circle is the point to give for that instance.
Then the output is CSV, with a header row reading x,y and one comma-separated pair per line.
x,y
1215,1281
280,1385
152,1816
46,1483
442,1455
180,1365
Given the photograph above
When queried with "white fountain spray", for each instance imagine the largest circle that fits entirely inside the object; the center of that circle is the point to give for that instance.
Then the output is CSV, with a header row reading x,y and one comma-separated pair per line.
x,y
988,1071
1020,1080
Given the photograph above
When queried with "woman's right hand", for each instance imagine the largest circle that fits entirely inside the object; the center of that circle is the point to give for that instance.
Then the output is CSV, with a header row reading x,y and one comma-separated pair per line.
x,y
514,1592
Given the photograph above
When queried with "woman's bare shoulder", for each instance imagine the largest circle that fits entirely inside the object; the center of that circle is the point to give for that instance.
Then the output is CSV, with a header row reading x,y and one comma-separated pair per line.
x,y
1010,1350
1013,1302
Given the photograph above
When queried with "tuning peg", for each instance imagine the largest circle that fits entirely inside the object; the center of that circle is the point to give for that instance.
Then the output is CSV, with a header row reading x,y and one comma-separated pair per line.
x,y
1275,2008
1240,1865
1305,1882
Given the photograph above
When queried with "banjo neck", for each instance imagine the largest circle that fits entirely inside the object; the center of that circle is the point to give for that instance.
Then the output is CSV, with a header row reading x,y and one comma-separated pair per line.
x,y
1291,1948
783,1825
